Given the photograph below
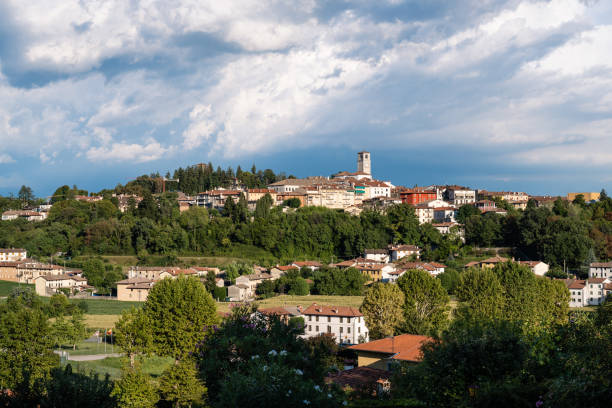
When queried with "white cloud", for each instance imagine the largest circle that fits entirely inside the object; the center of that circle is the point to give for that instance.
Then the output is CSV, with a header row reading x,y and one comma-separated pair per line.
x,y
128,152
5,158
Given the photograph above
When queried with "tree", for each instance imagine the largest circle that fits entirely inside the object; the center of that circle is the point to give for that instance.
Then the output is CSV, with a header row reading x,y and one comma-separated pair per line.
x,y
292,203
133,333
77,330
77,390
425,303
179,310
299,287
180,386
134,390
481,295
25,195
403,223
449,280
383,308
466,211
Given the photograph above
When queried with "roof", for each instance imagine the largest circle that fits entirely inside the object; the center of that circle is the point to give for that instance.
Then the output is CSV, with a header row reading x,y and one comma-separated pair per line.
x,y
286,267
281,311
419,265
601,265
61,277
358,377
495,259
307,263
404,248
596,280
376,251
133,281
11,250
406,347
574,284
321,310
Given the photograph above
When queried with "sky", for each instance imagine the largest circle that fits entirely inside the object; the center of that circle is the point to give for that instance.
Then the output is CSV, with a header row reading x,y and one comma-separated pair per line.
x,y
495,94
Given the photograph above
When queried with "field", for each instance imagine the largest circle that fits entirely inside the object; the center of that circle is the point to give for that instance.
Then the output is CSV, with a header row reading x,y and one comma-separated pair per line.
x,y
95,321
102,306
6,287
153,366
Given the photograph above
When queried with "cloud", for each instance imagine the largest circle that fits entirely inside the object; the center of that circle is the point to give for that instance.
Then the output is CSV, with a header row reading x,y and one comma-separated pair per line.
x,y
5,158
137,153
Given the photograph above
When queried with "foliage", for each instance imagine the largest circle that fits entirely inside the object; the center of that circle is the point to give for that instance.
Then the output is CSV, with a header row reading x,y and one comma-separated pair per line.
x,y
180,386
450,280
425,305
76,390
256,360
383,308
134,390
178,311
133,333
335,281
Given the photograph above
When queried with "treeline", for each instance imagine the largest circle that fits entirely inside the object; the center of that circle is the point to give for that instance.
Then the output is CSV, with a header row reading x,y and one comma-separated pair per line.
x,y
571,233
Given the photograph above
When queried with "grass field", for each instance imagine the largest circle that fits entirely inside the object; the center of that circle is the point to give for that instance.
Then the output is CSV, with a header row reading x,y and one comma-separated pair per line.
x,y
95,321
101,306
86,348
6,287
153,366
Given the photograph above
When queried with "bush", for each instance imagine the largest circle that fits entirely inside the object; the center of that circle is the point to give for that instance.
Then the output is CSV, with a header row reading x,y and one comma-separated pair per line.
x,y
220,293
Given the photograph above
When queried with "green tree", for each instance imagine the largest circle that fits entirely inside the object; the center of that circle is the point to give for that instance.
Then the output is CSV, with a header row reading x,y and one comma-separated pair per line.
x,y
134,390
299,287
67,389
26,195
404,223
425,303
481,295
211,281
465,212
180,386
449,280
179,310
133,333
77,330
383,309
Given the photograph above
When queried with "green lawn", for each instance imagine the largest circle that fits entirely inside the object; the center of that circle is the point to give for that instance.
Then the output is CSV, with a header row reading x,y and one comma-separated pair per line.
x,y
153,366
86,348
304,301
101,306
6,287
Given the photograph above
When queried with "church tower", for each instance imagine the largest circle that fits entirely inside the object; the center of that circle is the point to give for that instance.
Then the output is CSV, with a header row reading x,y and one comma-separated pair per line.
x,y
363,163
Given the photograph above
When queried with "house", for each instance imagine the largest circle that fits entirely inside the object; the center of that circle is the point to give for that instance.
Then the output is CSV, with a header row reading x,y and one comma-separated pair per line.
x,y
46,285
9,271
28,270
594,290
345,324
424,213
393,276
124,201
417,196
152,272
379,255
238,293
577,292
12,254
401,251
281,312
291,185
600,270
537,267
381,354
216,198
134,289
375,272
459,195
24,214
485,205
487,263
445,214
446,228
280,270
434,268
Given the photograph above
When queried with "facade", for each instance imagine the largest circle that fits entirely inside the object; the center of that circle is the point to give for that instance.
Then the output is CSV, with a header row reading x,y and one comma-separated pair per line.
x,y
134,289
378,255
12,254
381,354
345,324
424,213
216,198
237,293
363,162
330,197
587,196
291,185
600,270
151,272
445,214
375,272
401,251
9,271
589,292
485,205
46,285
460,195
417,196
537,267
23,214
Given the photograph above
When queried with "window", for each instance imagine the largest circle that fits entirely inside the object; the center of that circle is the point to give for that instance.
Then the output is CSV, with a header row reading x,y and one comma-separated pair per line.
x,y
359,330
340,319
317,329
317,318
328,319
309,328
329,329
310,318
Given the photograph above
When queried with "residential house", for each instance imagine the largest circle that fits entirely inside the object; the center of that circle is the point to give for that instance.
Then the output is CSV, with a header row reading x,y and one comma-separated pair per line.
x,y
401,251
280,270
291,185
255,194
312,265
383,353
485,205
238,293
152,272
375,272
9,271
424,213
418,195
460,195
29,270
589,292
134,289
445,214
46,285
281,312
24,214
487,263
216,198
434,268
446,228
379,255
537,267
124,201
600,270
345,324
12,254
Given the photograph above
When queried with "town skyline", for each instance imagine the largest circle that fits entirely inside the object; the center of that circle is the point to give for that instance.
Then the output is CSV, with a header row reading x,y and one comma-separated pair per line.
x,y
503,94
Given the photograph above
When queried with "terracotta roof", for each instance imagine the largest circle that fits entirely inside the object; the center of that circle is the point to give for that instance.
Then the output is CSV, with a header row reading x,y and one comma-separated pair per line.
x,y
596,280
133,281
372,267
406,347
376,251
281,311
608,286
358,377
10,250
404,248
438,265
444,209
574,284
307,263
601,265
61,277
286,267
322,310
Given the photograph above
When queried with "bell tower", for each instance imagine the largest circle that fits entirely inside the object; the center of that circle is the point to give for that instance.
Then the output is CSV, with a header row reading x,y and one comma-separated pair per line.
x,y
363,163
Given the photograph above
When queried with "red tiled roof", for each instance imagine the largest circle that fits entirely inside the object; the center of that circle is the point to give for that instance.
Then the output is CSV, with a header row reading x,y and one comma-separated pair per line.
x,y
322,310
274,311
307,263
601,265
286,267
596,280
405,347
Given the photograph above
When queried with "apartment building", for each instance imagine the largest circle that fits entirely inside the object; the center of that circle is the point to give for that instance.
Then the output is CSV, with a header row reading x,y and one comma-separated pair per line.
x,y
345,324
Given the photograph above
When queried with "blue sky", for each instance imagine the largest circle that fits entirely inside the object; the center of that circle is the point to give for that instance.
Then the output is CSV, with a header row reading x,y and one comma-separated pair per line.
x,y
513,95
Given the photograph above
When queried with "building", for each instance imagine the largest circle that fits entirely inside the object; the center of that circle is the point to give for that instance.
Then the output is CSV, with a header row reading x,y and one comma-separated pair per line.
x,y
363,163
291,185
88,199
375,272
152,272
600,270
460,195
445,214
383,353
24,214
418,195
47,285
589,292
331,196
433,268
485,205
588,197
345,324
487,263
216,198
537,267
134,289
424,213
255,194
378,255
398,252
238,293
125,201
12,254
312,265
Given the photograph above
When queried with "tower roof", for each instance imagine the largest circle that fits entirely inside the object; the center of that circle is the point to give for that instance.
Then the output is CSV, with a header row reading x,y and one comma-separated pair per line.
x,y
363,151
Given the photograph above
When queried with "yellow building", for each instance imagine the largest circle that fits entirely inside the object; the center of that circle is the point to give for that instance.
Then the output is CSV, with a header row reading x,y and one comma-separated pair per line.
x,y
587,196
381,353
134,289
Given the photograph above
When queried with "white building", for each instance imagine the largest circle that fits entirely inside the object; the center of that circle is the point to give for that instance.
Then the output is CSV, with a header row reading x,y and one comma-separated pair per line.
x,y
537,267
345,324
46,285
402,251
445,214
378,255
460,195
590,292
600,270
12,254
424,213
